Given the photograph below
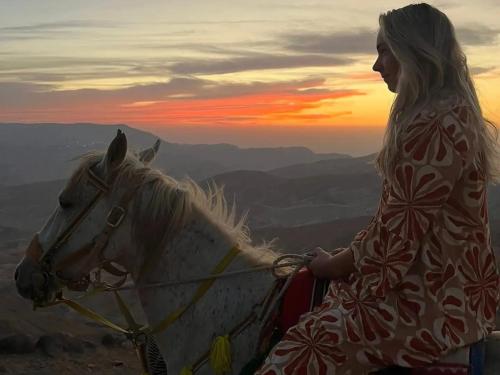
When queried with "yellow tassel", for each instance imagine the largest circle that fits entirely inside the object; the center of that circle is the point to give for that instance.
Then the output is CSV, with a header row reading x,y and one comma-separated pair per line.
x,y
220,355
186,371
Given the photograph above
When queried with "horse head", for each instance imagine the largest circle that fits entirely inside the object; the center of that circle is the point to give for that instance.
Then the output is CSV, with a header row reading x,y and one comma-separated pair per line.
x,y
89,227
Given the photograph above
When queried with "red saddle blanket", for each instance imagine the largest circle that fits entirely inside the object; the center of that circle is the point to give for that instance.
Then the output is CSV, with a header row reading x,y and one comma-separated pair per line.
x,y
305,292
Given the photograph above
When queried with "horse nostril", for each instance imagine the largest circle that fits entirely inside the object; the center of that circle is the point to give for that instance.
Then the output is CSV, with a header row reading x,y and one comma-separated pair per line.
x,y
16,274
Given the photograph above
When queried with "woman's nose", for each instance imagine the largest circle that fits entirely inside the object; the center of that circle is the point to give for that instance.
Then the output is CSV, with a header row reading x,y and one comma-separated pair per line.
x,y
376,66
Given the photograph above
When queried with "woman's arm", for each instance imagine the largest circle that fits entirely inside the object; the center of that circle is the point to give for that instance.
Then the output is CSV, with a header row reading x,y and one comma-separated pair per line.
x,y
327,266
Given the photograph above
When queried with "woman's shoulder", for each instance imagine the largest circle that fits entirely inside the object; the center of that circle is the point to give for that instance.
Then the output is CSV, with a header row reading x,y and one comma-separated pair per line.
x,y
444,121
452,114
443,105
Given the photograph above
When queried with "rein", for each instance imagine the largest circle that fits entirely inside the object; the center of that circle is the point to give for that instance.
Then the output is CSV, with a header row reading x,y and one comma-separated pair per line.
x,y
301,260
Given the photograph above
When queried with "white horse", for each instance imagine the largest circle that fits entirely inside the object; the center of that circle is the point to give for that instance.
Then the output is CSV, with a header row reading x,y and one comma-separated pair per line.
x,y
167,231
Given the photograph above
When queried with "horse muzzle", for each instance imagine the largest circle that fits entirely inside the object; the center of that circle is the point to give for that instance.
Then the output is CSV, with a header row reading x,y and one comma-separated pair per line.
x,y
32,282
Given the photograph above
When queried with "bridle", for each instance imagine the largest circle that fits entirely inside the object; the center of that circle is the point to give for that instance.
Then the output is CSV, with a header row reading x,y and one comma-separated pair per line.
x,y
96,247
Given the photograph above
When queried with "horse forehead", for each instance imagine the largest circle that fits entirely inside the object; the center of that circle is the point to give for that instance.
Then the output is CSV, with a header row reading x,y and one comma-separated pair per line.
x,y
78,186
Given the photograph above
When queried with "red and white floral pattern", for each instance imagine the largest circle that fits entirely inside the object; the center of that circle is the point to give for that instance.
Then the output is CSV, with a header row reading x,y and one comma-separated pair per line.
x,y
426,279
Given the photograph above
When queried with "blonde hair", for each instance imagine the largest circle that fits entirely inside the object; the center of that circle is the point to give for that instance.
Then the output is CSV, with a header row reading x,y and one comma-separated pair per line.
x,y
432,66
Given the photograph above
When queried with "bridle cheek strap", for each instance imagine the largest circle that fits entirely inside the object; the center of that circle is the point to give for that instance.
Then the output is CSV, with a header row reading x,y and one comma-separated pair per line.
x,y
91,250
96,248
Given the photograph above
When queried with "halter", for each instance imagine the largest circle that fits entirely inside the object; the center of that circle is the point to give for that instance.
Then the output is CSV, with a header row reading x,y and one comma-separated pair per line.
x,y
95,247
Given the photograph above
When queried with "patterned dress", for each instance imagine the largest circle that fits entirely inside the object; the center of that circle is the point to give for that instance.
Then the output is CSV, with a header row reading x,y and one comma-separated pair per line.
x,y
426,280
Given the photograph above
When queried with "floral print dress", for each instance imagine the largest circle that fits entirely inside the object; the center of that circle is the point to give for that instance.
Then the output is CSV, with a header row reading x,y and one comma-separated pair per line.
x,y
426,280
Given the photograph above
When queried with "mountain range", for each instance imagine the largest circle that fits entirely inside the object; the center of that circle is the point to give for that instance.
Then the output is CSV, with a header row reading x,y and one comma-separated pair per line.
x,y
44,152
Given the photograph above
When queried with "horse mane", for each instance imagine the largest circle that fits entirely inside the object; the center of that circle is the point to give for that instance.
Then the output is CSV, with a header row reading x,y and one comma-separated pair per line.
x,y
171,204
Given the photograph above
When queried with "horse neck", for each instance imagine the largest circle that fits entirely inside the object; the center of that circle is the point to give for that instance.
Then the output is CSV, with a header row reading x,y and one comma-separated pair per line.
x,y
192,254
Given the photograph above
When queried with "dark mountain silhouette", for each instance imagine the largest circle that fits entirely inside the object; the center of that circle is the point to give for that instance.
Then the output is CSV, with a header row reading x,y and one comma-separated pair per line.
x,y
363,164
39,152
329,235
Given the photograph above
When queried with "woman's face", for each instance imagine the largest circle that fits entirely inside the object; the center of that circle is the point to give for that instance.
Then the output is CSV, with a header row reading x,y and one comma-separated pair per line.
x,y
386,64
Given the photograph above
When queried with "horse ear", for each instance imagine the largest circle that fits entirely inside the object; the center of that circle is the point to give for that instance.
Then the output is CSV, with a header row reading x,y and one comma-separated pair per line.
x,y
117,151
147,155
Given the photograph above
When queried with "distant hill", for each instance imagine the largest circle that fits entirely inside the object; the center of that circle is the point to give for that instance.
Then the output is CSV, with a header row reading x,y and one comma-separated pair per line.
x,y
275,201
43,152
332,235
364,164
329,235
269,199
494,204
27,207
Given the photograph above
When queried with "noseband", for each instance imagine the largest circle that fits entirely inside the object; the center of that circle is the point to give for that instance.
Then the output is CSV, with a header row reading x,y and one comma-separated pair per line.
x,y
96,247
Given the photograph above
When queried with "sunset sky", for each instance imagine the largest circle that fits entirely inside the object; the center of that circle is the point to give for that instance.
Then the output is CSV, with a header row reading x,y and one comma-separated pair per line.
x,y
253,73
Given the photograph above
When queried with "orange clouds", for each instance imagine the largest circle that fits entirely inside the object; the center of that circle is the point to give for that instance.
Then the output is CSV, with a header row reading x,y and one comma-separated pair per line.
x,y
182,102
266,108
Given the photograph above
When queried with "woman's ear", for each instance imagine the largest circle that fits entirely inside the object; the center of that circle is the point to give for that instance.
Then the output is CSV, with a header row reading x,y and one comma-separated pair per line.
x,y
147,155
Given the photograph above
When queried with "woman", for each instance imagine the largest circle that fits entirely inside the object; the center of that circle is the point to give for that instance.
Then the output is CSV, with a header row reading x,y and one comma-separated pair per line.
x,y
421,279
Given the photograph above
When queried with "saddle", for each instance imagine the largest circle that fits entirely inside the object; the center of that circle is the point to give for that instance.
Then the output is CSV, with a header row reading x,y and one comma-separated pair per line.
x,y
306,292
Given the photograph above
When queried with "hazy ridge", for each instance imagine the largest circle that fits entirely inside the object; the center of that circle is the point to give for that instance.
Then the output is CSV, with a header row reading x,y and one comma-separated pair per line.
x,y
43,152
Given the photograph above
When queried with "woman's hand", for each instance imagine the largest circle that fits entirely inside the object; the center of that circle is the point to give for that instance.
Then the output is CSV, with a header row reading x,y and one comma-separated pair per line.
x,y
322,264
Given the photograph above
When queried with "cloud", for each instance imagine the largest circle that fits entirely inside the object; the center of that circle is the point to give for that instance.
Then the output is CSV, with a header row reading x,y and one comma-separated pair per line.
x,y
55,26
180,101
368,76
477,35
256,62
51,30
60,62
57,69
477,70
361,41
26,95
445,4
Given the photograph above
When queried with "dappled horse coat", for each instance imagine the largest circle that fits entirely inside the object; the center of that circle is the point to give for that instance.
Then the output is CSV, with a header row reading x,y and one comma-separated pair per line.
x,y
426,280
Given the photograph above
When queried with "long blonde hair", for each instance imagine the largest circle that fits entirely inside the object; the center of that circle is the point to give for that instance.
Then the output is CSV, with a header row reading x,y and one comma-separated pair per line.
x,y
432,66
